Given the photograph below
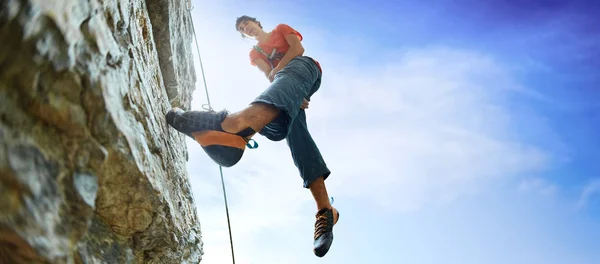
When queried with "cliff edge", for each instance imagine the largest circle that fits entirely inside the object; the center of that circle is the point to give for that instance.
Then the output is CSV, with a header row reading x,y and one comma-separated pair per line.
x,y
89,170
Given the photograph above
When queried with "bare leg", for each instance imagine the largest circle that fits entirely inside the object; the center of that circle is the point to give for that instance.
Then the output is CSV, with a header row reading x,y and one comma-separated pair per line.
x,y
319,192
255,116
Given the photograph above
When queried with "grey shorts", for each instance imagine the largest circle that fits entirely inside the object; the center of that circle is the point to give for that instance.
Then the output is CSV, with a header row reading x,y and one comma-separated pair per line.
x,y
297,81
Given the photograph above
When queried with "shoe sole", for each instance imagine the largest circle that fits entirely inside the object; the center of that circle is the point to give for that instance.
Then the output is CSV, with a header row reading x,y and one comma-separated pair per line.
x,y
223,148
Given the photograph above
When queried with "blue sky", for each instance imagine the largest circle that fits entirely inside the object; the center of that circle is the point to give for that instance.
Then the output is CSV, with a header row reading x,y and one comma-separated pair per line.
x,y
456,132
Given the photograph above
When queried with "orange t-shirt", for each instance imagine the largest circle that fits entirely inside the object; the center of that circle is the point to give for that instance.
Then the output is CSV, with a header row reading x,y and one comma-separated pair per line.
x,y
276,41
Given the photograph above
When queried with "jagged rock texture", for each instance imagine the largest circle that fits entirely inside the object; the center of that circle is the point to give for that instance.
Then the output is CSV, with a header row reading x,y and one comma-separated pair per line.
x,y
89,170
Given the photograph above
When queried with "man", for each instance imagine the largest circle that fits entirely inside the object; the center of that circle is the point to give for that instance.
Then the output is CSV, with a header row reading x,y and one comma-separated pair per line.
x,y
278,113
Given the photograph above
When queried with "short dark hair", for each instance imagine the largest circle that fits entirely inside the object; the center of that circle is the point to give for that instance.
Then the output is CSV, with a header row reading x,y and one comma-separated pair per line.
x,y
246,18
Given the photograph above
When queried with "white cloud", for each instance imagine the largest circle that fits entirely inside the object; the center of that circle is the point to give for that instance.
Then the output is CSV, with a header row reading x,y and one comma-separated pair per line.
x,y
537,185
429,126
591,189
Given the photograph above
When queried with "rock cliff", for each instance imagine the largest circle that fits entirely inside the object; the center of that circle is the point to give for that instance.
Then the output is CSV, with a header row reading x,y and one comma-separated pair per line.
x,y
89,170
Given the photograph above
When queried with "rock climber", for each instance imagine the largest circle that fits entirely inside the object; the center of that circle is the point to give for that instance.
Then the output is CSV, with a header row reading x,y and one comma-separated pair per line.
x,y
277,113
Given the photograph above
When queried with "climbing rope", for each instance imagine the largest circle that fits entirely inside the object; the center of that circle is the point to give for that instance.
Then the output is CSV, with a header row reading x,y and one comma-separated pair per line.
x,y
189,8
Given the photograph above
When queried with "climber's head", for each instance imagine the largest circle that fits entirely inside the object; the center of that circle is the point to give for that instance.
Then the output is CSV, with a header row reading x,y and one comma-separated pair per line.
x,y
248,26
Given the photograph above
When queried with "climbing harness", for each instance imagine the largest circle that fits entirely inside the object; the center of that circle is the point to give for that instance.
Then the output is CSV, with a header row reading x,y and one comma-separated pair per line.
x,y
189,8
274,55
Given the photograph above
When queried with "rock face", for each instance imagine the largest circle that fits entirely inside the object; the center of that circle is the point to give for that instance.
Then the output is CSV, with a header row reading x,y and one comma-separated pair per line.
x,y
89,170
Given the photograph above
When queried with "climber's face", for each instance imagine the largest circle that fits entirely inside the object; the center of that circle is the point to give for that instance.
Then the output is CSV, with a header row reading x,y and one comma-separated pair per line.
x,y
249,28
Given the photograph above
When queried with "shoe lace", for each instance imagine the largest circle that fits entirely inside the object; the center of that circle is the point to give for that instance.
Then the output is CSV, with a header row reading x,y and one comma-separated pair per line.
x,y
322,224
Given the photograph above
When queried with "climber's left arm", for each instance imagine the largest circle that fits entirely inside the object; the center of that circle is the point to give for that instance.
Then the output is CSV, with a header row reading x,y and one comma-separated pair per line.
x,y
296,49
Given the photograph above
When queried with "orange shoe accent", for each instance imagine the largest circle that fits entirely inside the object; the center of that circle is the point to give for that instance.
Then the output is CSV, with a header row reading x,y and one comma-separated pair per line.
x,y
212,137
336,215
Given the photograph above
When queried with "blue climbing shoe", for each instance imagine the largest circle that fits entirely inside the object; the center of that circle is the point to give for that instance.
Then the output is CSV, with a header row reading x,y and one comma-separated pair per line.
x,y
224,148
324,230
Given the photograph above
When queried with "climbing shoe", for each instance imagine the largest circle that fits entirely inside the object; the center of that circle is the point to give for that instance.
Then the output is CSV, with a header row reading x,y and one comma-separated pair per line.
x,y
324,230
224,148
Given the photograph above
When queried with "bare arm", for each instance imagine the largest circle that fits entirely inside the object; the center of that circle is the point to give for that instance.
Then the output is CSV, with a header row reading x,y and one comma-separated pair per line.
x,y
296,49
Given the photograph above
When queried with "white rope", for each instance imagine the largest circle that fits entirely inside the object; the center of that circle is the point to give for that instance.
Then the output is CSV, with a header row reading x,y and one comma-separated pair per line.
x,y
189,8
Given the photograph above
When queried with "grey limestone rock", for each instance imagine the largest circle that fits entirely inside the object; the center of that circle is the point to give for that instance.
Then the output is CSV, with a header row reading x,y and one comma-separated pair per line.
x,y
89,170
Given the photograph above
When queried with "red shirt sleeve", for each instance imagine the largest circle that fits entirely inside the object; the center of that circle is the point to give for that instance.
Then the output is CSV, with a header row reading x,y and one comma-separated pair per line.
x,y
285,30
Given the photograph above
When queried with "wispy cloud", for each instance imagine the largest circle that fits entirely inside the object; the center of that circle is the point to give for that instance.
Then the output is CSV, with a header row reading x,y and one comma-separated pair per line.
x,y
589,190
432,125
537,185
